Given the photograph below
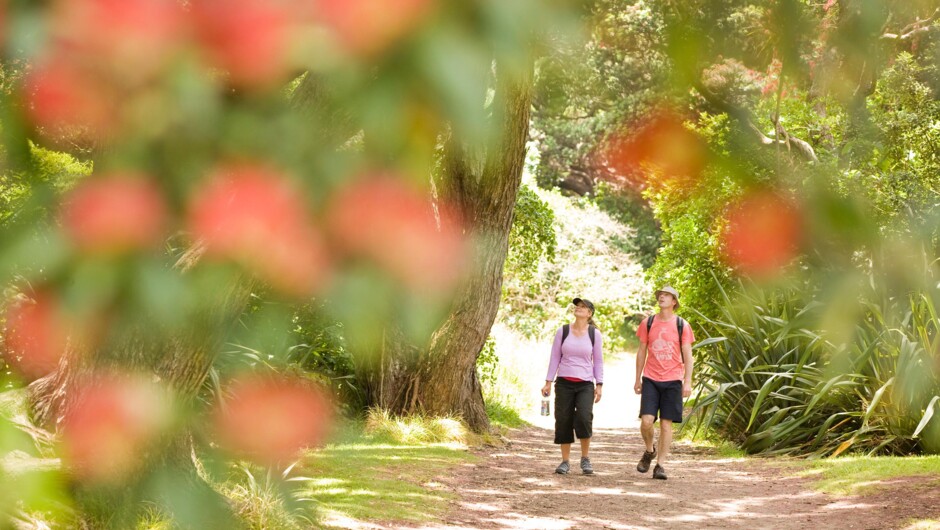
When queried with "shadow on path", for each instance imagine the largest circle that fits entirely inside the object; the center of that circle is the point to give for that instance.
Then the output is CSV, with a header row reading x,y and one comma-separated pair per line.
x,y
516,488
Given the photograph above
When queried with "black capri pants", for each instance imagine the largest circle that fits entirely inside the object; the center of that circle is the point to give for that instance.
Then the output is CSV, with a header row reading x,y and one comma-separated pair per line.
x,y
574,410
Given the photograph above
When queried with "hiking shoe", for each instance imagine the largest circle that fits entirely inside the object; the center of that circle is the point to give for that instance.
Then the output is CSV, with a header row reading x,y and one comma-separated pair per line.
x,y
644,464
563,468
659,472
586,467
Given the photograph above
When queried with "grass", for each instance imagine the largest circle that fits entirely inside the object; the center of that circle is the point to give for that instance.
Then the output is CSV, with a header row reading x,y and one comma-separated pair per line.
x,y
853,475
378,471
503,416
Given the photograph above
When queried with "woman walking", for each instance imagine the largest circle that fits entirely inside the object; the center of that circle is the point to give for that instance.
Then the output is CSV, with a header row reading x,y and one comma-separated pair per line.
x,y
578,363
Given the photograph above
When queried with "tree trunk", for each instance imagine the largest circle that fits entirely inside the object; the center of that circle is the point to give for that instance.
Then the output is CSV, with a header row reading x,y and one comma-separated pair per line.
x,y
486,195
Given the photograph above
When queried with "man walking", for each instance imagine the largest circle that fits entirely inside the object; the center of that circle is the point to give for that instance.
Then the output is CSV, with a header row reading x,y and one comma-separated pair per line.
x,y
663,376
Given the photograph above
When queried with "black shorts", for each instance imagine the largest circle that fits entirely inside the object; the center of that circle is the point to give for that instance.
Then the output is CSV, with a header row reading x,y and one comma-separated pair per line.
x,y
661,399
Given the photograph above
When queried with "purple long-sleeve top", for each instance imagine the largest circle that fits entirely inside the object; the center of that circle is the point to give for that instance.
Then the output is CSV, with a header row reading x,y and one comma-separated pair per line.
x,y
576,358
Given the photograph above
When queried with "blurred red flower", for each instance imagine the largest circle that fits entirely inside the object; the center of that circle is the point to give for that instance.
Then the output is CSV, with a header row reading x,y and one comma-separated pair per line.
x,y
35,336
251,40
255,216
660,141
366,27
110,423
271,419
67,102
132,38
384,219
115,213
763,233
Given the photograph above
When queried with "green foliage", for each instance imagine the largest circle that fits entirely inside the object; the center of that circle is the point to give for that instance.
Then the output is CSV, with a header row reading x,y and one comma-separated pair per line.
x,y
774,383
632,209
594,259
319,347
532,237
52,171
487,362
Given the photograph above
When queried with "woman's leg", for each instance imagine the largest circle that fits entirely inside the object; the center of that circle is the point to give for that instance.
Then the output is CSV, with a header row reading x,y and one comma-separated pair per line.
x,y
584,415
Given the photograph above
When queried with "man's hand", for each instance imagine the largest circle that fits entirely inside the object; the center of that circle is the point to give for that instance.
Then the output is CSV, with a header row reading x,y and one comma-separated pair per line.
x,y
686,390
547,389
597,393
638,386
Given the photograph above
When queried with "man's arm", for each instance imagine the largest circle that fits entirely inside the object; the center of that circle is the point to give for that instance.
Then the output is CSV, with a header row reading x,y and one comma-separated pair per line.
x,y
640,364
687,362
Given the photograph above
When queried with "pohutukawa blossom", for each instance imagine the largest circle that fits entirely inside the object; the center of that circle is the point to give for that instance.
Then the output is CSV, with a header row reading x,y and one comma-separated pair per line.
x,y
257,217
131,38
65,101
251,41
36,335
367,27
660,142
109,425
115,213
386,220
763,234
272,419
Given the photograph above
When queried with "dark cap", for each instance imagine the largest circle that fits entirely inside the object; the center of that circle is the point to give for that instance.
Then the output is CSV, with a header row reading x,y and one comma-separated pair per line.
x,y
584,301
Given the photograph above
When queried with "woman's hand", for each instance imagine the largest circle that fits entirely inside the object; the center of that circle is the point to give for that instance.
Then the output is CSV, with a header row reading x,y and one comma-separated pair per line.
x,y
547,389
598,390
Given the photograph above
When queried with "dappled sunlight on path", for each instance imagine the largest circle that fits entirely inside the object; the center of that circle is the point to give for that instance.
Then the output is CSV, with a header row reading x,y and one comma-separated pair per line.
x,y
515,488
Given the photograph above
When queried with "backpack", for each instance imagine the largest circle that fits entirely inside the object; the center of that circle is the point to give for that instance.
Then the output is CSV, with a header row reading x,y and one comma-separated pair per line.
x,y
680,324
567,327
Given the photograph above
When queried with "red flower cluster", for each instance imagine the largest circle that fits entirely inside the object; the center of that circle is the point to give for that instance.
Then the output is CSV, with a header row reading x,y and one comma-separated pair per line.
x,y
35,336
255,216
763,233
115,213
382,219
659,142
106,51
272,419
109,425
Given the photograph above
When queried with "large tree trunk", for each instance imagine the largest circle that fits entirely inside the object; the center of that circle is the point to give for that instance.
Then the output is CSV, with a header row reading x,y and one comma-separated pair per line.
x,y
486,195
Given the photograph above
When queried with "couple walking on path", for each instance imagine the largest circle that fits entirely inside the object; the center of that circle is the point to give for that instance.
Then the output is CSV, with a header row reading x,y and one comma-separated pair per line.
x,y
663,379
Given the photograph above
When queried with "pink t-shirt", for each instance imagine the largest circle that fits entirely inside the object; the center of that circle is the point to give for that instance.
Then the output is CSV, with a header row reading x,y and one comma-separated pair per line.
x,y
663,357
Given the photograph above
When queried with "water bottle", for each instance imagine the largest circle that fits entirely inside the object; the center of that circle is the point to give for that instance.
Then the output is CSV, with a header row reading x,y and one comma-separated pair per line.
x,y
546,406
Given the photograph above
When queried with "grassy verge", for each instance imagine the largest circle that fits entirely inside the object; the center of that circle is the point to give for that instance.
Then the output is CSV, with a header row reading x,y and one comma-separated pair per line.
x,y
853,475
387,469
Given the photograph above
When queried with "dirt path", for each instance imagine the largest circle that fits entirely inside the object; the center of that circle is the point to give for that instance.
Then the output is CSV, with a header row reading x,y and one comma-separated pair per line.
x,y
515,487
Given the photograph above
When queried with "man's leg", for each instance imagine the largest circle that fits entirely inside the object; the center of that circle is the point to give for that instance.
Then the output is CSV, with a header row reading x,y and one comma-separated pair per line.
x,y
646,429
665,438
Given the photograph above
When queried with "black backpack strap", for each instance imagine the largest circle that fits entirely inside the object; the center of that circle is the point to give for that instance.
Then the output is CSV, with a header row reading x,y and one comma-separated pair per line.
x,y
680,325
564,332
591,334
649,326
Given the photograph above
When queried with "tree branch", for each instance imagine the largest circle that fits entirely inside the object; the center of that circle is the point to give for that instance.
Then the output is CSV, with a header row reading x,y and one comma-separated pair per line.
x,y
915,28
744,116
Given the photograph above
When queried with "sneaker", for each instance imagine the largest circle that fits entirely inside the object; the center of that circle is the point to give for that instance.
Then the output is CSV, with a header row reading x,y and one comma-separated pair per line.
x,y
563,468
586,467
644,464
659,472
